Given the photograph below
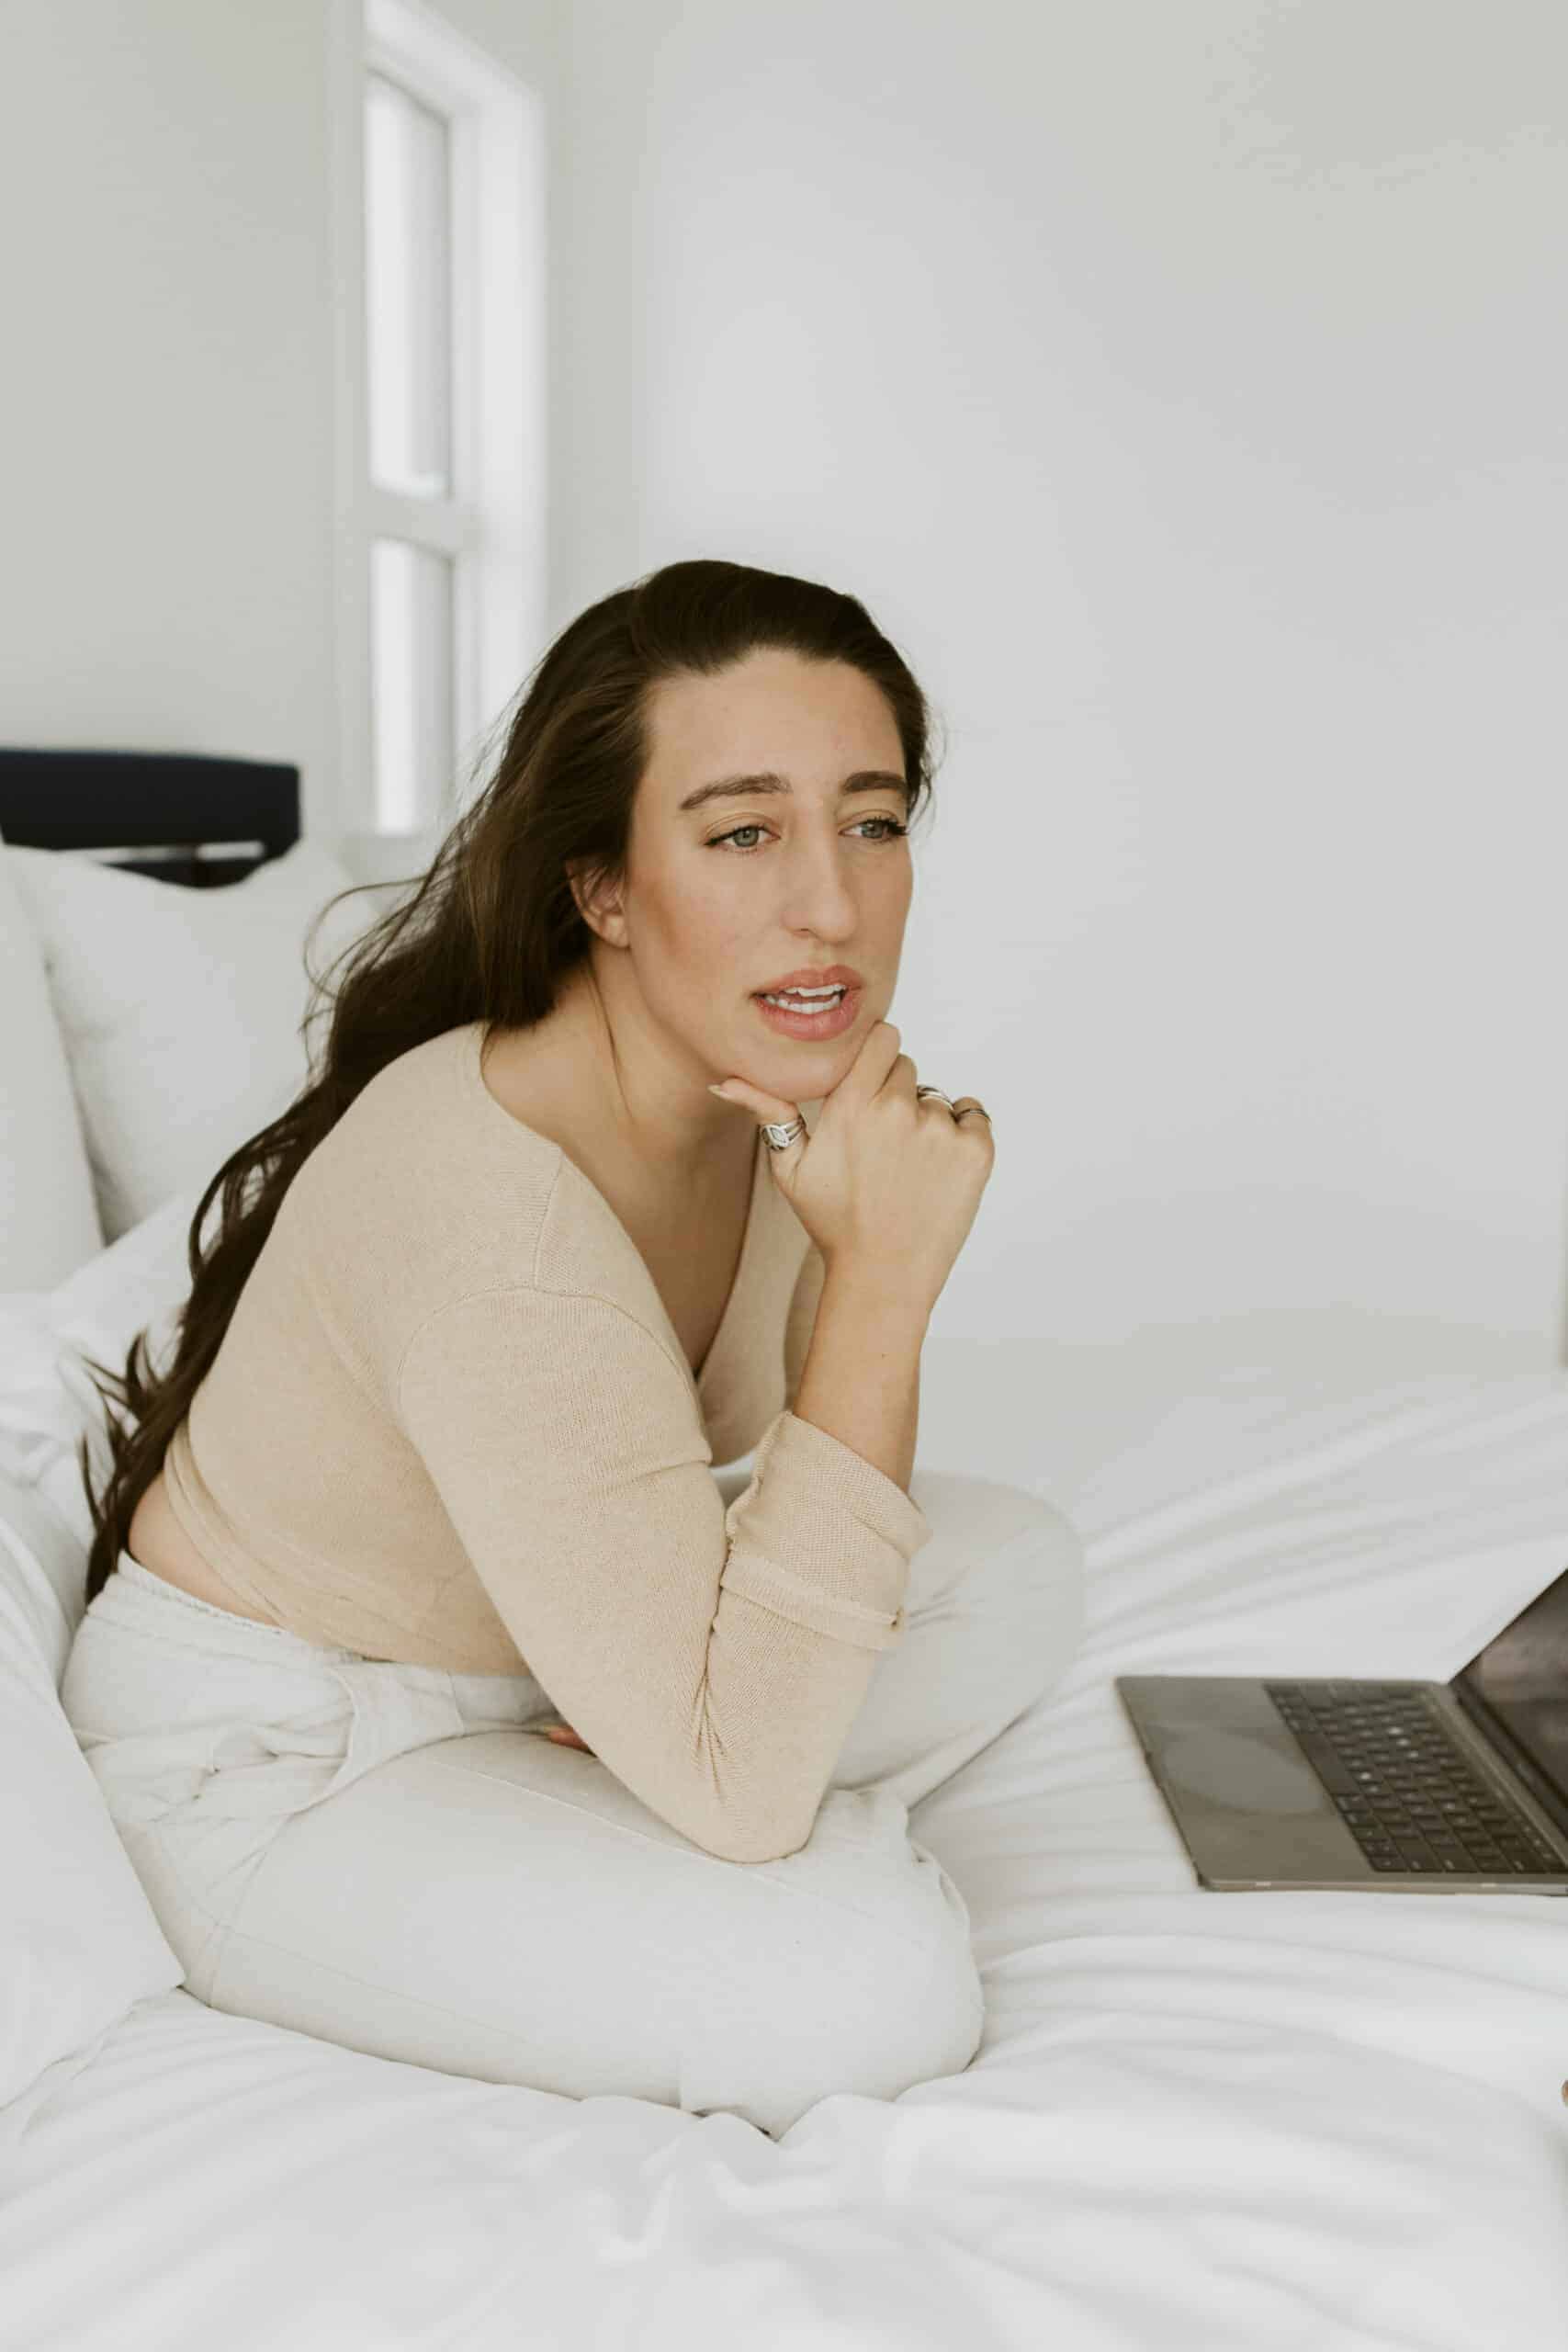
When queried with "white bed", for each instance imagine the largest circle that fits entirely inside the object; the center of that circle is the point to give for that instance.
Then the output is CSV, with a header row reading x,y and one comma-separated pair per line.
x,y
1326,2122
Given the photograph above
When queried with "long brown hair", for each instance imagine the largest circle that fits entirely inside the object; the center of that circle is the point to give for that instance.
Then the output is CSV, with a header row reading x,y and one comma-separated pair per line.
x,y
493,929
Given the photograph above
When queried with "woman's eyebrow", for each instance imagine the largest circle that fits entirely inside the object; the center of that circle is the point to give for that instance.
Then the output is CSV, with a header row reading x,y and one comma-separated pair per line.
x,y
731,787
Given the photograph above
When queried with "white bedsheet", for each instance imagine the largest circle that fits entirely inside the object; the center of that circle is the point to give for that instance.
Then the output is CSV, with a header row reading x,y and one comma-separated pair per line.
x,y
1277,2122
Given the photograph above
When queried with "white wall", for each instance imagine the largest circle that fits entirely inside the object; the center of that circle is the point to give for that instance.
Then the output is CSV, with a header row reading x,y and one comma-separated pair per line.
x,y
166,575
1184,391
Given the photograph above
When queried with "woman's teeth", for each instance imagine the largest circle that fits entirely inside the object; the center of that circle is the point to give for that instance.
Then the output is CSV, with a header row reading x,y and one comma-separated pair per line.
x,y
805,1001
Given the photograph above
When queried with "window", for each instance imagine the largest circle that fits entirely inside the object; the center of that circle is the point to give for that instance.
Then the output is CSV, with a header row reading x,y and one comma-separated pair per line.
x,y
440,272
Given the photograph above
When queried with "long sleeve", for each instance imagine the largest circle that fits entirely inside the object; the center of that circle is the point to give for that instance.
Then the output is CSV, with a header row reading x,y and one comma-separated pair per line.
x,y
712,1659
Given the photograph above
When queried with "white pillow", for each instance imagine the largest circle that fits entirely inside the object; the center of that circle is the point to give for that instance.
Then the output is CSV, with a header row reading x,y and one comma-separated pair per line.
x,y
49,1402
181,1009
49,1218
79,1941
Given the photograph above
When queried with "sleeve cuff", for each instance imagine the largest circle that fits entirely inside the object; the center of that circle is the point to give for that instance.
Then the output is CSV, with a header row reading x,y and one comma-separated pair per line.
x,y
822,1536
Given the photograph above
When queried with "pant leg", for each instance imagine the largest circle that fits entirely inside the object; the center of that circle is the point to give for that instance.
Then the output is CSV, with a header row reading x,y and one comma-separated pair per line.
x,y
995,1617
389,1857
208,1733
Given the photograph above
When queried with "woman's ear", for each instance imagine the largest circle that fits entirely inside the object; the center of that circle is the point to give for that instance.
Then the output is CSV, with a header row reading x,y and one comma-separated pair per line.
x,y
598,901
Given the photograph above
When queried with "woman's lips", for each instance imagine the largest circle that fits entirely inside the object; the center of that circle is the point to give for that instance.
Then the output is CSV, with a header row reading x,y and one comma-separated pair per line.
x,y
811,1027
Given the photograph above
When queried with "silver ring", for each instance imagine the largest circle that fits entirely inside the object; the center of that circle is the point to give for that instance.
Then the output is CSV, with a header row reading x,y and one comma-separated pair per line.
x,y
782,1133
922,1090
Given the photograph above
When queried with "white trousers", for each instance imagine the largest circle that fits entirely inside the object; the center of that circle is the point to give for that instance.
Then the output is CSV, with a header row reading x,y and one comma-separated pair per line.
x,y
394,1858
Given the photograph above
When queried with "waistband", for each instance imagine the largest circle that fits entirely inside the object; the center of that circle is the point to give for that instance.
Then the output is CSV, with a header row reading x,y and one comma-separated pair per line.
x,y
130,1583
132,1596
163,1689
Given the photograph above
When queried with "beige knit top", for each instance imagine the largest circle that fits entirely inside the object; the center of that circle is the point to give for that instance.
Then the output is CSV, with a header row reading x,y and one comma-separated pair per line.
x,y
451,1422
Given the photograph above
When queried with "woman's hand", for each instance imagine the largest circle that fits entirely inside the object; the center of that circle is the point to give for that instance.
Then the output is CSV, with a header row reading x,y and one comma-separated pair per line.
x,y
889,1181
564,1736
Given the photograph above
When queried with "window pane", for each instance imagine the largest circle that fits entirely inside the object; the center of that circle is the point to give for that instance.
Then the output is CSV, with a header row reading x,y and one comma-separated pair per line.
x,y
410,684
408,291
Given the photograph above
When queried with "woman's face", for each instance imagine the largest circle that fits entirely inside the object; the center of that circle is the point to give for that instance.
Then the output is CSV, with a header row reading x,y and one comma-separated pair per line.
x,y
728,893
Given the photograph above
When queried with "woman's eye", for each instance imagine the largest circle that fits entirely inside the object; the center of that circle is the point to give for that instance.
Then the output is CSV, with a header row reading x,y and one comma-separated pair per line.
x,y
894,832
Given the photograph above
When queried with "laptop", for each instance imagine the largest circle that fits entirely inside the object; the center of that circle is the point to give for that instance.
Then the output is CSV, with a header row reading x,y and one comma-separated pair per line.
x,y
1402,1788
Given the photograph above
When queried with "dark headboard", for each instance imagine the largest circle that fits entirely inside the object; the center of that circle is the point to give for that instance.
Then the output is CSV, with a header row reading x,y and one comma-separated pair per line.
x,y
166,810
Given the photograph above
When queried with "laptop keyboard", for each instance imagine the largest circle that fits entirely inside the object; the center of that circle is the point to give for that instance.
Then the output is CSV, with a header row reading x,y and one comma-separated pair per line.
x,y
1408,1796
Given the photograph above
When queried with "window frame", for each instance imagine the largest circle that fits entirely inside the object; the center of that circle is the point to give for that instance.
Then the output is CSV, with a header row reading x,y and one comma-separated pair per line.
x,y
493,526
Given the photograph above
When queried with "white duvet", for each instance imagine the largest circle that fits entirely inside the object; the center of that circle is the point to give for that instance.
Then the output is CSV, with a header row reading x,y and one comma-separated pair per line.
x,y
1267,2121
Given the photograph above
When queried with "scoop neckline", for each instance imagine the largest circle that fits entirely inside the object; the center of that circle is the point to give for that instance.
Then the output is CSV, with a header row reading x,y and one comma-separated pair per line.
x,y
471,1059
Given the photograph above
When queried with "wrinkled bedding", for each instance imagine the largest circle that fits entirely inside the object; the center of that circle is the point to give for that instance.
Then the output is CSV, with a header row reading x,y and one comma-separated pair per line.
x,y
1219,2122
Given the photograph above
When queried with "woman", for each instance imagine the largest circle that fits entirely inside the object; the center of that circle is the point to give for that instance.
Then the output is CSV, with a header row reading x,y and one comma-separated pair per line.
x,y
450,1705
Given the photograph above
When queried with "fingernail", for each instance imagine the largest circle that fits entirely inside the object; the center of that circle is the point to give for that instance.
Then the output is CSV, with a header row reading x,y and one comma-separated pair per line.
x,y
719,1089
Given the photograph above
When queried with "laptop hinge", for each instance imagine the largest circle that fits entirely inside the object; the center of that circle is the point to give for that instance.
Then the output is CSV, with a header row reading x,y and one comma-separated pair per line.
x,y
1498,1736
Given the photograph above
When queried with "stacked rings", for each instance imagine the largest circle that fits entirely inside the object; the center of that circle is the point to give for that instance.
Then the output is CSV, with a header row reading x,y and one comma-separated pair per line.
x,y
948,1100
781,1133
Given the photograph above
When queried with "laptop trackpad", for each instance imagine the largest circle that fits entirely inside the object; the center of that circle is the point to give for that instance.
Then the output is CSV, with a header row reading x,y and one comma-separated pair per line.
x,y
1233,1768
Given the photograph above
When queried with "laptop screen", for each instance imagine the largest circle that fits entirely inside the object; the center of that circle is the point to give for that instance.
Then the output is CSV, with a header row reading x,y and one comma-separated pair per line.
x,y
1521,1681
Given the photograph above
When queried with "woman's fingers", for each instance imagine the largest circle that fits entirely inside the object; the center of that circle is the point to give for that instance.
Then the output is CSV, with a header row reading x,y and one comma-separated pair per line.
x,y
564,1736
